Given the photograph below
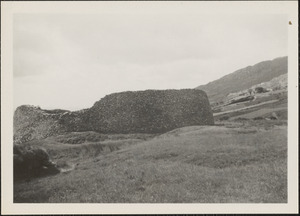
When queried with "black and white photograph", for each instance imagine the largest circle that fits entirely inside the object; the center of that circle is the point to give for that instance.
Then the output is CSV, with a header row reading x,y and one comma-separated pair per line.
x,y
150,103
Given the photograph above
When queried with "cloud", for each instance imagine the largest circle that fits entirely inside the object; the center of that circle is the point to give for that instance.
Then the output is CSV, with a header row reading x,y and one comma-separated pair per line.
x,y
70,61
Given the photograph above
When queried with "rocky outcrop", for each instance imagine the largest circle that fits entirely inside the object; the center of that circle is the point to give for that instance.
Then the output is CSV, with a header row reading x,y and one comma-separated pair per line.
x,y
32,162
150,111
276,84
245,78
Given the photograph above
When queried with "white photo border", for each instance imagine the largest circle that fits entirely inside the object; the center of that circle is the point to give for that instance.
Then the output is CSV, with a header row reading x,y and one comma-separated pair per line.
x,y
8,9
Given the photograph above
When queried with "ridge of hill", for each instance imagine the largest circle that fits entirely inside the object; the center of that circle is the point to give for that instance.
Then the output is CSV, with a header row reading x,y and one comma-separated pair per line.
x,y
245,78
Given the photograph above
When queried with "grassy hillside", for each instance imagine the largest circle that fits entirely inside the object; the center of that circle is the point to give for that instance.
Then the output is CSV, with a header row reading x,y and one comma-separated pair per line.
x,y
267,105
245,78
235,162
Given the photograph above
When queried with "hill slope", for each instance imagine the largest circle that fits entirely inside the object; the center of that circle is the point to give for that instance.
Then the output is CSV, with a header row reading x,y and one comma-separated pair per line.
x,y
245,78
235,163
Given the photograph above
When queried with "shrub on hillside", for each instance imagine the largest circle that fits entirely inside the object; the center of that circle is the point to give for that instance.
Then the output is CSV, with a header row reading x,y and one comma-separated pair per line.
x,y
32,162
260,90
241,119
258,118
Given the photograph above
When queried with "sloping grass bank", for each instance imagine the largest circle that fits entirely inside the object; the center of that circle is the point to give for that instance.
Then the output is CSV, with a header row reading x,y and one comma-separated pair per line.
x,y
197,164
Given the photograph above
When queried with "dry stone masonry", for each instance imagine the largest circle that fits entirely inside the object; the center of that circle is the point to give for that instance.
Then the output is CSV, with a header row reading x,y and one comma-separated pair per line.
x,y
150,111
31,122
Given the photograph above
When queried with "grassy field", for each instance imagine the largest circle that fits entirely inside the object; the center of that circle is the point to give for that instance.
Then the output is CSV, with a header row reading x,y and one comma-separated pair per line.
x,y
257,109
232,162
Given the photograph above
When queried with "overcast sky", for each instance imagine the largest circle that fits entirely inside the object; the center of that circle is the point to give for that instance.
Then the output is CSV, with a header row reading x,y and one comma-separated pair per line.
x,y
71,61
